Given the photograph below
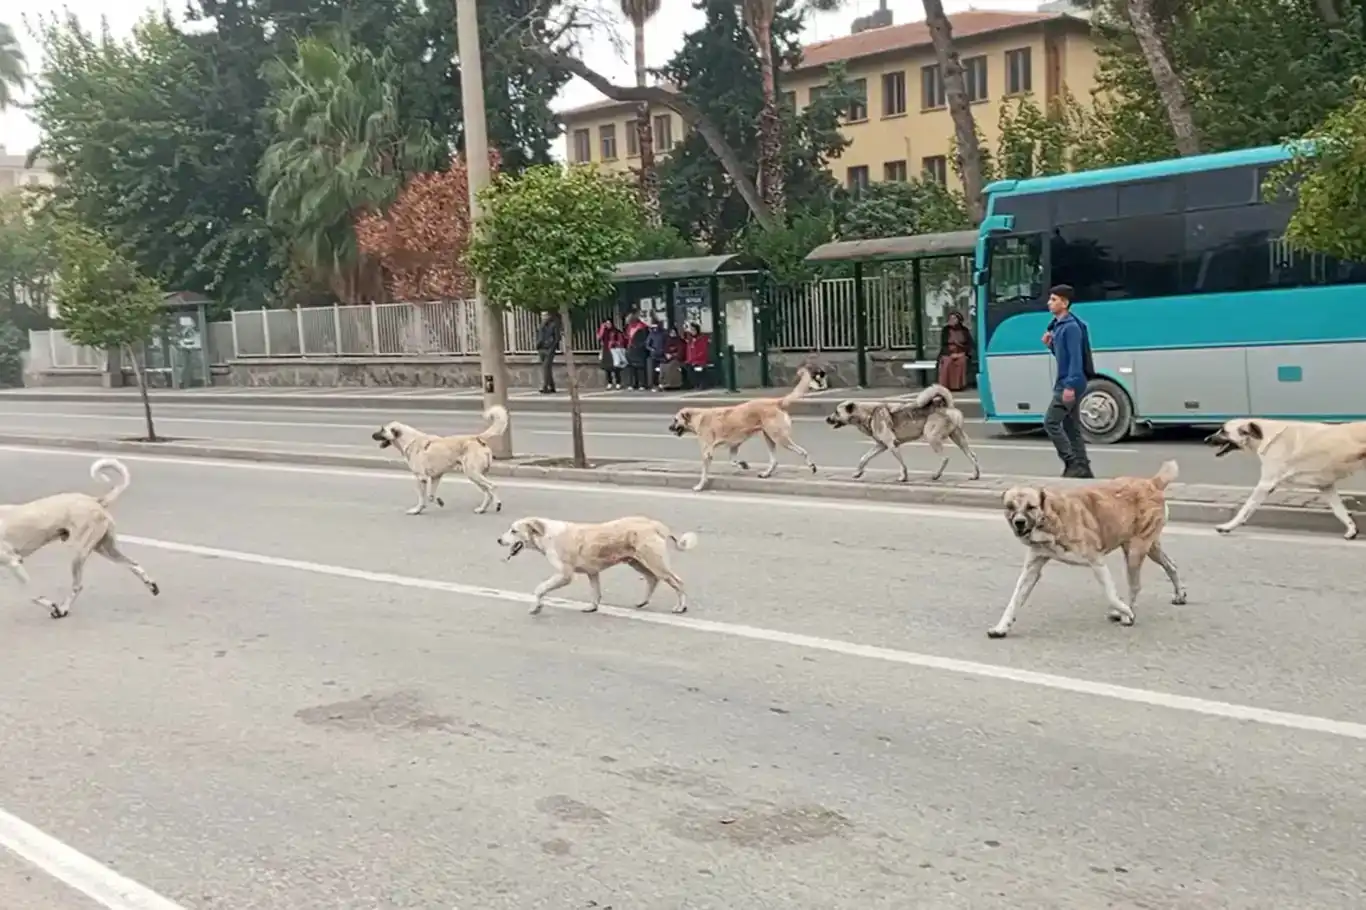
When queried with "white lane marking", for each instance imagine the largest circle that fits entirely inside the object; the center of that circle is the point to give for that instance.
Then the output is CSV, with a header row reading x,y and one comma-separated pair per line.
x,y
614,491
1015,446
76,870
1186,703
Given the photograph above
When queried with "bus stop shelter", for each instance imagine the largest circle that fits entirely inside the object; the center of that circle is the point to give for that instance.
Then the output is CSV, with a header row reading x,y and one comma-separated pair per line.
x,y
915,249
694,286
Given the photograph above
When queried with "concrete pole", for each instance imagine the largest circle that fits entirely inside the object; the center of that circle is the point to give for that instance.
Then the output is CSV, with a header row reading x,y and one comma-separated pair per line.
x,y
492,364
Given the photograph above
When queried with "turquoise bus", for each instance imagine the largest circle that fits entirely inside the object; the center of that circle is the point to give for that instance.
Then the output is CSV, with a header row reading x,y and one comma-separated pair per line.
x,y
1197,307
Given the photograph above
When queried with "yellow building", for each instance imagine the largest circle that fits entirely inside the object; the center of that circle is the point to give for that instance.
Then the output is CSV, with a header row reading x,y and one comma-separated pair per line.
x,y
903,127
15,172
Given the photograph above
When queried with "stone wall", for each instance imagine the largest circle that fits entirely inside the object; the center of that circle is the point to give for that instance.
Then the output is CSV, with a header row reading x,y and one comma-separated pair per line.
x,y
884,371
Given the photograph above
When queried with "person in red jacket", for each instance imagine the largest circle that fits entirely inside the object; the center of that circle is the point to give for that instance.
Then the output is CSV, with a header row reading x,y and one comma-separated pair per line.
x,y
696,356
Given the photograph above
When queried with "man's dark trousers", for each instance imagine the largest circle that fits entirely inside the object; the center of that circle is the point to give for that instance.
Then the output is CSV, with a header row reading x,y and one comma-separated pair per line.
x,y
1062,423
548,370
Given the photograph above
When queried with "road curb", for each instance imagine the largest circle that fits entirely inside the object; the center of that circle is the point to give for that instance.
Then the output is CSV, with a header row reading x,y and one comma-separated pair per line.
x,y
914,493
817,407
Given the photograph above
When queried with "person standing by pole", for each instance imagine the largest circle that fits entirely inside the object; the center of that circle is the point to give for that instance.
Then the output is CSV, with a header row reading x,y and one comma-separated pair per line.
x,y
1066,337
547,344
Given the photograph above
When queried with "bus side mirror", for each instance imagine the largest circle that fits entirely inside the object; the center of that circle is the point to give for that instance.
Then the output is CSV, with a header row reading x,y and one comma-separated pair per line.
x,y
979,278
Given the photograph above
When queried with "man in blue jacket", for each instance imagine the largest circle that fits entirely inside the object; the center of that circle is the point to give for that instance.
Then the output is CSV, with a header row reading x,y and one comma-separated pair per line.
x,y
1066,338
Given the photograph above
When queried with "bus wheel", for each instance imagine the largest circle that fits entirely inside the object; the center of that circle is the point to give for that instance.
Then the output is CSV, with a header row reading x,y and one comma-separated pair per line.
x,y
1105,412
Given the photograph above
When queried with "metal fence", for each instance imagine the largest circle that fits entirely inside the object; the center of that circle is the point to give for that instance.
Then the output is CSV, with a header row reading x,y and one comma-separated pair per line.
x,y
52,350
816,316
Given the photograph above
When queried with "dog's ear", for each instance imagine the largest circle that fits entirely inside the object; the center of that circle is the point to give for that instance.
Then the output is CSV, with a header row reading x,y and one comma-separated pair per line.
x,y
1253,430
534,527
1043,498
395,432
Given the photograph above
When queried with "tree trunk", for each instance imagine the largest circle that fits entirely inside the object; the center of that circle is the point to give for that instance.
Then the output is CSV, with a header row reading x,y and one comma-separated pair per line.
x,y
1328,9
141,375
1169,88
691,114
575,407
645,140
772,187
967,150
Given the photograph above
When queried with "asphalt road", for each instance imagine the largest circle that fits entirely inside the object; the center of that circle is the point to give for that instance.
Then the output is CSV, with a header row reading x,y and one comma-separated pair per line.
x,y
333,704
610,436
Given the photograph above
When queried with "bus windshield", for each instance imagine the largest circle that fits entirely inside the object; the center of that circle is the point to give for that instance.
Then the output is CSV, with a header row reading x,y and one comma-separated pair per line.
x,y
1015,276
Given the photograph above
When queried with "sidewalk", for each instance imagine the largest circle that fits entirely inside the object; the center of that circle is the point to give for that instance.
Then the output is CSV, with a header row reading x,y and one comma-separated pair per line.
x,y
597,401
1204,504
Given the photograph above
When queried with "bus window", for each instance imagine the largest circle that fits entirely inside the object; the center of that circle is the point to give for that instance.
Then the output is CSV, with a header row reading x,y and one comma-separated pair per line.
x,y
1219,189
1231,249
1015,277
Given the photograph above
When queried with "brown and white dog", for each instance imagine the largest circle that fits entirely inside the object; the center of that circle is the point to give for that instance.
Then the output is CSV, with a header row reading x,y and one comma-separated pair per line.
x,y
1298,453
432,457
930,416
77,517
732,426
591,549
1082,526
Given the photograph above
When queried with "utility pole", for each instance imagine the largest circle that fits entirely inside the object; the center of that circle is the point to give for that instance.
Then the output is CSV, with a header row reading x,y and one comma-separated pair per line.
x,y
492,346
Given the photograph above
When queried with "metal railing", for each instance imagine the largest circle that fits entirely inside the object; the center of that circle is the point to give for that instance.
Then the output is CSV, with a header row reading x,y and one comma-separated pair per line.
x,y
52,350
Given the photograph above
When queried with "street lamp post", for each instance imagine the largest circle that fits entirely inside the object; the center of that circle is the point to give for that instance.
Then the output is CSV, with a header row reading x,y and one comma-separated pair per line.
x,y
491,335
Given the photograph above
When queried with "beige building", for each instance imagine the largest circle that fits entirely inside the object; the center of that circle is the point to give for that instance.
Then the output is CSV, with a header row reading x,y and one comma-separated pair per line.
x,y
15,172
902,128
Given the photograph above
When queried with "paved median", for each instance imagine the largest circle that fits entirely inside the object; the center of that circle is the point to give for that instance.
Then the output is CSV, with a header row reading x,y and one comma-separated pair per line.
x,y
1189,502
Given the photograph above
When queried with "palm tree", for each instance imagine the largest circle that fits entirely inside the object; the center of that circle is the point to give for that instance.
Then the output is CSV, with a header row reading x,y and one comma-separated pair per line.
x,y
639,12
758,16
13,68
338,152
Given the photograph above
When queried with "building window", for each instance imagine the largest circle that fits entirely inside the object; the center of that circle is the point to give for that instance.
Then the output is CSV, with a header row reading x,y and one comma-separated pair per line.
x,y
931,87
936,169
632,139
858,108
1019,72
607,135
856,178
789,100
894,171
583,147
975,78
664,133
814,93
893,94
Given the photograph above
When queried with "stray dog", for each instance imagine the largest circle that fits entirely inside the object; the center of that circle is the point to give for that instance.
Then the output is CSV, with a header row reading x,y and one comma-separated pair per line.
x,y
432,457
1081,527
589,549
931,416
1299,453
732,426
27,528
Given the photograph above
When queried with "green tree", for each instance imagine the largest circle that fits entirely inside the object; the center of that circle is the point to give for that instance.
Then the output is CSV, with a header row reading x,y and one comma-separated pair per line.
x,y
898,209
167,166
27,262
13,66
105,302
1328,174
550,239
339,150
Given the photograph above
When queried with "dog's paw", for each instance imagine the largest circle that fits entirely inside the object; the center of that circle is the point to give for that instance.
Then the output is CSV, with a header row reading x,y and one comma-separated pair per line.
x,y
996,632
58,613
699,488
904,478
814,469
1179,600
439,501
413,511
742,465
498,506
765,475
1351,533
681,608
154,588
1224,529
857,475
640,606
591,608
1124,619
536,608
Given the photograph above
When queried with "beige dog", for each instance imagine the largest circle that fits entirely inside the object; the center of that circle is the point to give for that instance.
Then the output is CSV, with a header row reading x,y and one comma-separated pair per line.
x,y
732,426
1298,453
590,549
27,528
1081,527
930,416
432,457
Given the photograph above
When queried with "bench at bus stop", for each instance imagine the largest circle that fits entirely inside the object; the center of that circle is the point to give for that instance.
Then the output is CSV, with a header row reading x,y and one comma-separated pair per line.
x,y
925,370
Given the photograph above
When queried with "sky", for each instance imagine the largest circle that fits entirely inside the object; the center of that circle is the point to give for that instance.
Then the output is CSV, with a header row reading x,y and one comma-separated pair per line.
x,y
662,36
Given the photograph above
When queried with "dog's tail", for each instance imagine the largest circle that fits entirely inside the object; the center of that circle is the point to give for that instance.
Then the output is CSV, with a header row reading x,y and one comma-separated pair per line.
x,y
497,416
1165,475
113,472
685,541
934,395
805,378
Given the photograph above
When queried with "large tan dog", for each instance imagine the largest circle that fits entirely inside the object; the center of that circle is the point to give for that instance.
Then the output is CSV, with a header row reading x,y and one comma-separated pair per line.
x,y
27,528
930,416
1298,453
590,549
732,426
432,457
1081,527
